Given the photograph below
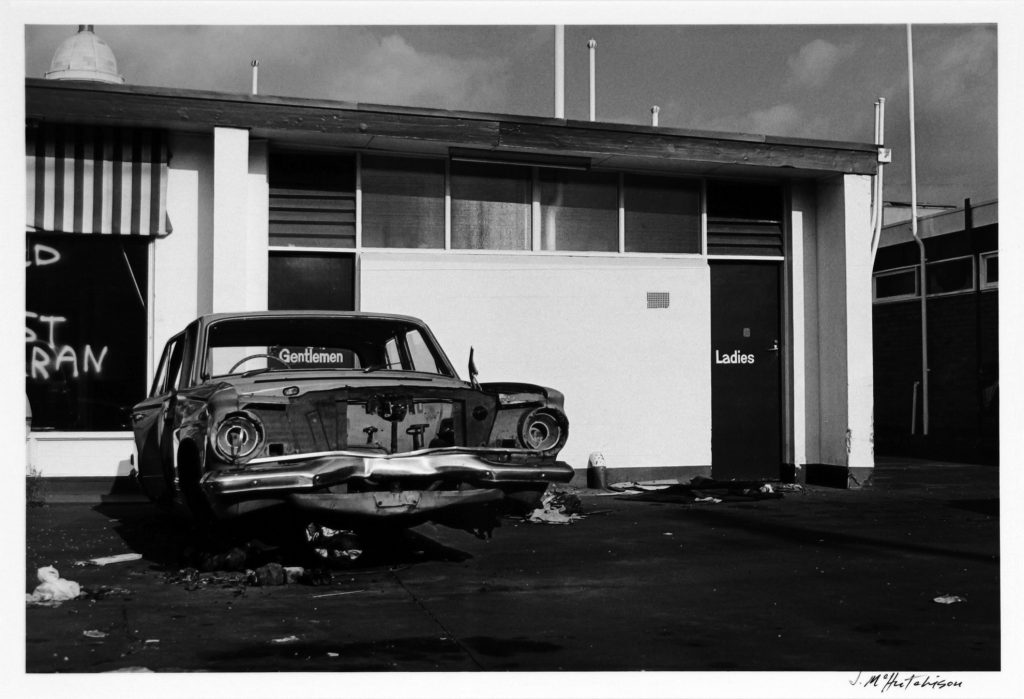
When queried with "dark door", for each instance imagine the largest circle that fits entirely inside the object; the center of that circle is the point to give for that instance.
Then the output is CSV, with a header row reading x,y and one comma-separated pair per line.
x,y
746,406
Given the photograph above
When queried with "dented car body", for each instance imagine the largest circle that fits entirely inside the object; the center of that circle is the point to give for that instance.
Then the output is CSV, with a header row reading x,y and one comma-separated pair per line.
x,y
344,419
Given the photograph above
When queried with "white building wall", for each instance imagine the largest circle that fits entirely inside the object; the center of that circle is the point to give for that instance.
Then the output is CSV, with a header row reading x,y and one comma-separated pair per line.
x,y
176,258
637,381
801,272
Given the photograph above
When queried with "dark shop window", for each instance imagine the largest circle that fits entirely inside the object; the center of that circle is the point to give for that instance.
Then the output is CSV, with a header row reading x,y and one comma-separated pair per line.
x,y
662,214
579,211
311,282
491,207
403,202
950,276
896,284
312,200
85,330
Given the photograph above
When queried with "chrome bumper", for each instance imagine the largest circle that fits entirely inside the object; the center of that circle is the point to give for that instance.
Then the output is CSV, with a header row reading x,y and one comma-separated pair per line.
x,y
315,471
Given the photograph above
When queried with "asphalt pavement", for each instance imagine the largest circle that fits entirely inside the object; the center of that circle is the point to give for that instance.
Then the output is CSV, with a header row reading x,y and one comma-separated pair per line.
x,y
802,579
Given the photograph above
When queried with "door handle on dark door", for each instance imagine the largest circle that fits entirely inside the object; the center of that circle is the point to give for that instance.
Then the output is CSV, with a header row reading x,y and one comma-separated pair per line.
x,y
774,347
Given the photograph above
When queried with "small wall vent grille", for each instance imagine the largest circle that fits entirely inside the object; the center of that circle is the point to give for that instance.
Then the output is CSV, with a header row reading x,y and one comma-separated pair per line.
x,y
657,299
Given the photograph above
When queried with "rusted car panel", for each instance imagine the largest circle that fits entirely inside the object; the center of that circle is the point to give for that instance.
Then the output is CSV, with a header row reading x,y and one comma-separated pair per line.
x,y
340,416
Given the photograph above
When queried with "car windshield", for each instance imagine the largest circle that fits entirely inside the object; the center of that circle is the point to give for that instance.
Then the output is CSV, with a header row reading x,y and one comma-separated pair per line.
x,y
260,344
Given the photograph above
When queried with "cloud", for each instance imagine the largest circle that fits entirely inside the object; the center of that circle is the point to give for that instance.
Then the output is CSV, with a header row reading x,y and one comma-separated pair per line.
x,y
961,65
356,64
815,62
391,71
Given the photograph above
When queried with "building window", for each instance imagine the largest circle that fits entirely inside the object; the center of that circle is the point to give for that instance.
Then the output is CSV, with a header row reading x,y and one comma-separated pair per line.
x,y
896,285
85,330
311,281
579,211
990,270
403,202
312,200
950,276
491,207
662,214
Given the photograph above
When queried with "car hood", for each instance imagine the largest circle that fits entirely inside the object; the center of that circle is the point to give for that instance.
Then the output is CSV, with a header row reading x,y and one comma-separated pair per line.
x,y
274,383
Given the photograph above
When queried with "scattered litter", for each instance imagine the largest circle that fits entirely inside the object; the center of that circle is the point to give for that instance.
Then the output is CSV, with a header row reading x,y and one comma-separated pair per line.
x,y
152,640
270,574
52,589
713,501
285,639
293,574
788,488
668,534
639,486
949,599
332,655
99,593
106,560
193,580
134,668
94,633
336,594
557,507
766,489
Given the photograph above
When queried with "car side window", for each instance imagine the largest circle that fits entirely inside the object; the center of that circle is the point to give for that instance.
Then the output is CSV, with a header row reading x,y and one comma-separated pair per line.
x,y
391,356
419,353
170,366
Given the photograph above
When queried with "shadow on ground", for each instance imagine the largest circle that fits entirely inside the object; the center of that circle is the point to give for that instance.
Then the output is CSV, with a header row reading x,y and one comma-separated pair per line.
x,y
171,541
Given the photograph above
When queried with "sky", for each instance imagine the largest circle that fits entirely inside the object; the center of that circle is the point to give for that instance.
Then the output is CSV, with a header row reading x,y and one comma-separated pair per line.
x,y
809,81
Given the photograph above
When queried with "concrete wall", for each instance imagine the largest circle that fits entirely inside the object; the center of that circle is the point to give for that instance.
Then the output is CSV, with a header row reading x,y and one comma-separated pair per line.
x,y
240,206
837,325
637,381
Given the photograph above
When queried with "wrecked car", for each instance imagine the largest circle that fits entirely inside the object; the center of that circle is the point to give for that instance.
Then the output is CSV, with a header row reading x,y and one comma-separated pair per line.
x,y
341,422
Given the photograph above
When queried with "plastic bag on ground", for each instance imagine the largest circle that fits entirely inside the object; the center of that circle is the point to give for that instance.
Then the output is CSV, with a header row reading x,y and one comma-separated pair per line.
x,y
52,588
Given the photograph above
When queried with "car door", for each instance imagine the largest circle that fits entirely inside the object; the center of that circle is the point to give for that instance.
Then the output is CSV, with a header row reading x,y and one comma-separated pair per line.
x,y
151,423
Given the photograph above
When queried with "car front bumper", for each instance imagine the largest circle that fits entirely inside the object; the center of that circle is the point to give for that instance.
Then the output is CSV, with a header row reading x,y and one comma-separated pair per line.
x,y
314,472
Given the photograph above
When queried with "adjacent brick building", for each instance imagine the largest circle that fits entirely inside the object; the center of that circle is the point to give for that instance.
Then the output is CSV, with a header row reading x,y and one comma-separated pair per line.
x,y
962,301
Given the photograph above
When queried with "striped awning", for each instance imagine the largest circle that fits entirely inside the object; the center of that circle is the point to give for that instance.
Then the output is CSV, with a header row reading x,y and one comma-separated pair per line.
x,y
96,180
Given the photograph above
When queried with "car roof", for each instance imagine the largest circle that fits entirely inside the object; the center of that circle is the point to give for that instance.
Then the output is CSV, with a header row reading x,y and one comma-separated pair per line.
x,y
212,317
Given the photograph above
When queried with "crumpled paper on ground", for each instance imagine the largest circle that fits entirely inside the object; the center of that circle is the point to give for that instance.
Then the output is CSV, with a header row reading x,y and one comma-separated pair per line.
x,y
52,589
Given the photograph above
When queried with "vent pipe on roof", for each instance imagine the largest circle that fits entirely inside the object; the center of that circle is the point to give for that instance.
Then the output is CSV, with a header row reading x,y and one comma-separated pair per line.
x,y
559,71
654,115
923,262
255,76
592,45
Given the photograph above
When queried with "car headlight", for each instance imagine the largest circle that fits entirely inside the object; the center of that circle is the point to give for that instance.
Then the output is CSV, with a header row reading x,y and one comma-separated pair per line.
x,y
544,430
238,437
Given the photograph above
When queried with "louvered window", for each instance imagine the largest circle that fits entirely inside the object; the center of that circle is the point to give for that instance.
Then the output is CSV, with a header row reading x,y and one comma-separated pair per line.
x,y
312,200
744,219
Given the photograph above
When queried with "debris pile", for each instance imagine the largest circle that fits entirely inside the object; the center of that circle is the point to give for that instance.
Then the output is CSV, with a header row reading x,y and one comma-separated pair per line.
x,y
269,575
705,491
557,507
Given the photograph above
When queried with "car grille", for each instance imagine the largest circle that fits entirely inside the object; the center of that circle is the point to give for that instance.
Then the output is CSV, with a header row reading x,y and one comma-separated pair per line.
x,y
328,425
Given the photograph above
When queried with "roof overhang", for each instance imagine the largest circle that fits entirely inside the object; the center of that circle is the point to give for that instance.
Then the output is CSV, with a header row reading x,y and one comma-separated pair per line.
x,y
288,121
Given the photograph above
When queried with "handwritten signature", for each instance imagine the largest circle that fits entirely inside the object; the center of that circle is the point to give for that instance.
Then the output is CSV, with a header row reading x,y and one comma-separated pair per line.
x,y
885,681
